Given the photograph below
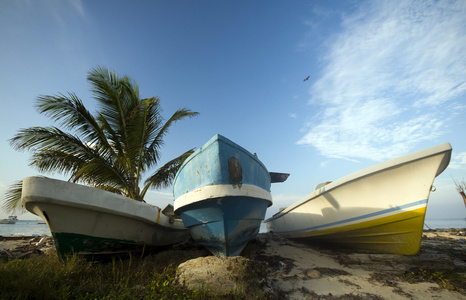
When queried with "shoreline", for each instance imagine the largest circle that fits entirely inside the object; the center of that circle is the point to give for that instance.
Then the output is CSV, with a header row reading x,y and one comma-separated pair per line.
x,y
12,241
22,236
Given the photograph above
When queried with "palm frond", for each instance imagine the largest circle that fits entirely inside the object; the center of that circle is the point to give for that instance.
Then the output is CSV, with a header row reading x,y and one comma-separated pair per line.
x,y
152,151
113,137
98,171
164,176
44,140
177,116
71,113
12,203
114,95
144,129
119,109
52,161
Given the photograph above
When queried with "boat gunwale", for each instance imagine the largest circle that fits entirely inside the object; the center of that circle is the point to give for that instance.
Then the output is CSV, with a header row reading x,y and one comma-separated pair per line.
x,y
222,191
123,215
93,206
215,138
383,166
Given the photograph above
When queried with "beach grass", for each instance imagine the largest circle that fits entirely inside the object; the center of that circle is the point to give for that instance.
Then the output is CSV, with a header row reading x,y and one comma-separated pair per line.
x,y
46,277
445,279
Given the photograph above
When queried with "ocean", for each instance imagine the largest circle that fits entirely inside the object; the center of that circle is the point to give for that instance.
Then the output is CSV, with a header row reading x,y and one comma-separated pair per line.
x,y
31,227
444,223
24,227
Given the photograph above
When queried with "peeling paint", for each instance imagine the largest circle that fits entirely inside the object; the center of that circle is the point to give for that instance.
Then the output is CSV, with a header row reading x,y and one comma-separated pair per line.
x,y
228,198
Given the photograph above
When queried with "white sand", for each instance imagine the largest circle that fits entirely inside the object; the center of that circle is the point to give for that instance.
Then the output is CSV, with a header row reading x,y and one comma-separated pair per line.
x,y
308,272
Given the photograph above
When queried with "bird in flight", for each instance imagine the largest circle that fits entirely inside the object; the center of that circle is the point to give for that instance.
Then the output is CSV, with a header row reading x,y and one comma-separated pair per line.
x,y
307,78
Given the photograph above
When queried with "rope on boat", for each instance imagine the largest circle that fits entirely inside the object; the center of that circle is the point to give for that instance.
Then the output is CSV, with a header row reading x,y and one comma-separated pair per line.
x,y
427,226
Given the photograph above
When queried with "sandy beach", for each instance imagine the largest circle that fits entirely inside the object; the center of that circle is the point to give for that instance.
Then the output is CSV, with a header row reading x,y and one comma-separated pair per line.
x,y
298,271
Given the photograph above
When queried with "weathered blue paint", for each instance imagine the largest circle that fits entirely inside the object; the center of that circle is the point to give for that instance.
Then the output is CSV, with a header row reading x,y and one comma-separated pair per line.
x,y
224,225
209,166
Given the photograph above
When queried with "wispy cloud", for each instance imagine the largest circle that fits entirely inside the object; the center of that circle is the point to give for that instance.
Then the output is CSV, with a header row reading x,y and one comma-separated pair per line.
x,y
64,12
387,79
458,161
78,6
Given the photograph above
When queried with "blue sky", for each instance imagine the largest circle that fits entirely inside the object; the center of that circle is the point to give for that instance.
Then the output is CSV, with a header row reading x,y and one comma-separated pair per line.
x,y
386,78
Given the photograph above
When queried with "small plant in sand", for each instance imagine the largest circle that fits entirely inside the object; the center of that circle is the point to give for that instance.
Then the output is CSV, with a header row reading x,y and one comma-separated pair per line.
x,y
448,280
461,187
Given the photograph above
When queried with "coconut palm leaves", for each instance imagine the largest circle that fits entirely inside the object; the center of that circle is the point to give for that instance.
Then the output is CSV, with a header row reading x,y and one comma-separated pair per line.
x,y
12,198
111,149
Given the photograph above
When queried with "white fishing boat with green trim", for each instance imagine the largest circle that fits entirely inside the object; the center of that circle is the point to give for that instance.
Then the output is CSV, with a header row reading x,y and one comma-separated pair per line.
x,y
89,221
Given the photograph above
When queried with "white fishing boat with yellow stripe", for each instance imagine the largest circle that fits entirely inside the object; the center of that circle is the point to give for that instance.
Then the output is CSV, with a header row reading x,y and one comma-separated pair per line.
x,y
381,208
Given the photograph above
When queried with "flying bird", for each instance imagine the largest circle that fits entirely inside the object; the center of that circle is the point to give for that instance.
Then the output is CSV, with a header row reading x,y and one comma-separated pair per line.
x,y
306,78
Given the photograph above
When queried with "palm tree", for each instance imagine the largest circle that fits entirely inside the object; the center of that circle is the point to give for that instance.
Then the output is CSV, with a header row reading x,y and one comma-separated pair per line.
x,y
110,150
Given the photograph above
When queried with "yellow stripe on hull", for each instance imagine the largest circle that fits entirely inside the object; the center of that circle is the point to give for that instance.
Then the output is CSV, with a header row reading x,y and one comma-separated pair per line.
x,y
396,234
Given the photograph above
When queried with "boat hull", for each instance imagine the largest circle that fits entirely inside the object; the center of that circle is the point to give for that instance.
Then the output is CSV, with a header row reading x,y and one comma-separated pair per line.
x,y
380,209
90,222
222,203
224,225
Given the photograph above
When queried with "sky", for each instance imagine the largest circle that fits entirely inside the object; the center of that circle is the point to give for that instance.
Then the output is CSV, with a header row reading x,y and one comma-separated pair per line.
x,y
386,78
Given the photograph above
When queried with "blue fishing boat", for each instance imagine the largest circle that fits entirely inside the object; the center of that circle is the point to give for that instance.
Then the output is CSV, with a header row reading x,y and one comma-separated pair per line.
x,y
222,192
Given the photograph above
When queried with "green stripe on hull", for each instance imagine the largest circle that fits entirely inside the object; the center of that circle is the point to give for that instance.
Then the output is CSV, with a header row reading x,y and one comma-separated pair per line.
x,y
72,243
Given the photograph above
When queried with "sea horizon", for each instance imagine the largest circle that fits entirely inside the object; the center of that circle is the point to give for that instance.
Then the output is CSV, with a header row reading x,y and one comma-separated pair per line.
x,y
32,227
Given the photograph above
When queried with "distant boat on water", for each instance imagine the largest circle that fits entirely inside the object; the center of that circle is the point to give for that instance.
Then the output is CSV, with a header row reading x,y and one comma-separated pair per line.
x,y
381,208
10,220
222,192
89,221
